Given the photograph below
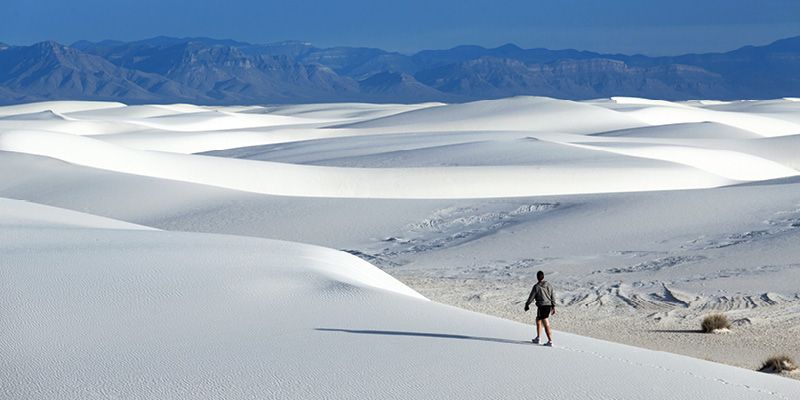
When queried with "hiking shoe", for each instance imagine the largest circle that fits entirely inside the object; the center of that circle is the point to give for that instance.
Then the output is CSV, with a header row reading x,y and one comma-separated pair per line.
x,y
535,340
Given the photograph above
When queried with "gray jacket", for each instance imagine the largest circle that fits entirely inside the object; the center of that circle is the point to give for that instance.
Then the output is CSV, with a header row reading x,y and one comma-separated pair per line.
x,y
543,294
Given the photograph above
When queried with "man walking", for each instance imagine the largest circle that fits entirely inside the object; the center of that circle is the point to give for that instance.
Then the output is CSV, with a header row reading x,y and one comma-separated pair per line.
x,y
545,299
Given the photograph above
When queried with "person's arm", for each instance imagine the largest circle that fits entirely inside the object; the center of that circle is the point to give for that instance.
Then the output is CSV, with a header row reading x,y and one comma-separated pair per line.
x,y
552,300
530,299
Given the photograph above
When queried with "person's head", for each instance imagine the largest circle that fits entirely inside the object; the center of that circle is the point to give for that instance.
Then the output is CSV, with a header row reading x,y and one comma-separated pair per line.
x,y
540,276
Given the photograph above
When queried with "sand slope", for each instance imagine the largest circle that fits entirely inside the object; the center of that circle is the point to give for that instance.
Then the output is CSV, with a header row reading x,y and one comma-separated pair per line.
x,y
98,313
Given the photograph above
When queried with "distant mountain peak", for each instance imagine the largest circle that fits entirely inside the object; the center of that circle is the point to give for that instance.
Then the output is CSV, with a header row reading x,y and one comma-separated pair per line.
x,y
53,50
509,46
49,44
791,43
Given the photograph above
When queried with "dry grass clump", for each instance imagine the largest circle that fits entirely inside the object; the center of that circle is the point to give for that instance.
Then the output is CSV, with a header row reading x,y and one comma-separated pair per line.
x,y
778,364
715,322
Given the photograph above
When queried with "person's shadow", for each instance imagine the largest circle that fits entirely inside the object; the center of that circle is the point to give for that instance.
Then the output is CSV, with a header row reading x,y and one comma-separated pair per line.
x,y
424,334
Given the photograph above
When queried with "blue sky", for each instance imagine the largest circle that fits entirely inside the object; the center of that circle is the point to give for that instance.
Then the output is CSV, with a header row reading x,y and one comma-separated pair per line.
x,y
629,26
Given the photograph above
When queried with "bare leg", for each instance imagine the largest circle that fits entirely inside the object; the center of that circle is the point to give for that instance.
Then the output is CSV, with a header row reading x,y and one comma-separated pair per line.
x,y
539,328
546,329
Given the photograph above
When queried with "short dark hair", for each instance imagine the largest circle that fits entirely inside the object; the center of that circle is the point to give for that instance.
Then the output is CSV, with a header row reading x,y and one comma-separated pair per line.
x,y
540,275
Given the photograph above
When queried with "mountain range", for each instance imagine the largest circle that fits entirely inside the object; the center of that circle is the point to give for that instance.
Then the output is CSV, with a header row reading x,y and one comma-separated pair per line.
x,y
213,71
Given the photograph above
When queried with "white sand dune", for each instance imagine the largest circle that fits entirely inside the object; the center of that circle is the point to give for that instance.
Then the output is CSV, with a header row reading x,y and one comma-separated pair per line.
x,y
637,101
779,149
636,214
729,164
61,107
342,111
126,112
16,213
47,115
691,130
217,120
427,149
187,142
767,127
502,127
98,313
306,180
70,126
662,113
784,109
518,113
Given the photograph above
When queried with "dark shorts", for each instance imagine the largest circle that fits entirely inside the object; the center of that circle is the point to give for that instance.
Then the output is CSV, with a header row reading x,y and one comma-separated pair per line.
x,y
542,312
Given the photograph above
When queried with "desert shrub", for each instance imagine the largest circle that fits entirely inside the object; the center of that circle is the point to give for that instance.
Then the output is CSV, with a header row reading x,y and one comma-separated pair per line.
x,y
779,364
715,322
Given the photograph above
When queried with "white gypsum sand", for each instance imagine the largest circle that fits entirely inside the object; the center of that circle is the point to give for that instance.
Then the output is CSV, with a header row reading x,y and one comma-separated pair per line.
x,y
93,312
644,223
